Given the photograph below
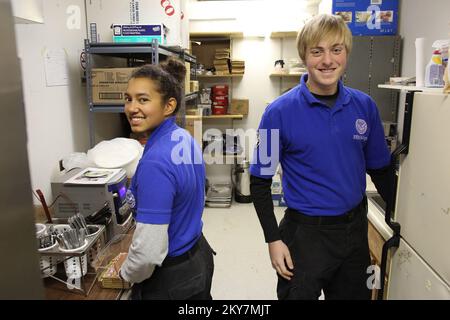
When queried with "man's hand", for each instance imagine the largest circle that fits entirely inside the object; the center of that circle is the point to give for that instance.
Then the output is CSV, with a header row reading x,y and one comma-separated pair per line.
x,y
281,259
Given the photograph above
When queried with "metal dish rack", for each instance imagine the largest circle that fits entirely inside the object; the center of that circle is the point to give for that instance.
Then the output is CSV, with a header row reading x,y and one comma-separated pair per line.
x,y
95,244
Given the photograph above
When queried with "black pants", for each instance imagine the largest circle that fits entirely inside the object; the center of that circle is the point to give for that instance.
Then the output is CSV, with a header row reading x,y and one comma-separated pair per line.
x,y
330,255
180,279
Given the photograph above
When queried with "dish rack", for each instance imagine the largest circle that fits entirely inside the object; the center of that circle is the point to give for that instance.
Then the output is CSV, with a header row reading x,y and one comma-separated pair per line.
x,y
75,260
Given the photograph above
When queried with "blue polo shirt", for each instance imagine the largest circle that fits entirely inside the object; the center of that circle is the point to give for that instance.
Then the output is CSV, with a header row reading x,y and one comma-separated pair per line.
x,y
169,185
324,152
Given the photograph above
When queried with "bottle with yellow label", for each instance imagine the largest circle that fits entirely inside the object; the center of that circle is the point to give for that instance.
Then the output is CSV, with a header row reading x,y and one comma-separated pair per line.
x,y
434,73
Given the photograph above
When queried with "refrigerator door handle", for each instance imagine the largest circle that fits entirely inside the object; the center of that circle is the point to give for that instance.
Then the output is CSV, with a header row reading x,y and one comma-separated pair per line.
x,y
403,148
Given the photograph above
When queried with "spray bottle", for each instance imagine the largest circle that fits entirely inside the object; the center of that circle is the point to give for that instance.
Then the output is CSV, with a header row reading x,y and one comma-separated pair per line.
x,y
434,73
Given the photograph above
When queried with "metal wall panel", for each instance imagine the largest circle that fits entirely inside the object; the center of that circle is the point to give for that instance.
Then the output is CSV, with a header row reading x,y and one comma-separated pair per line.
x,y
385,64
356,75
372,61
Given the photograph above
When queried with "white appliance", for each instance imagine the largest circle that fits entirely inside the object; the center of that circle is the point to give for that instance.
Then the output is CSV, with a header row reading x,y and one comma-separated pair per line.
x,y
420,266
420,252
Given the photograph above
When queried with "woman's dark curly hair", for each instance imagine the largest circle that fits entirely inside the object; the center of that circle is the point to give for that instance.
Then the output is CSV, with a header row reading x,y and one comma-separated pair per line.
x,y
168,77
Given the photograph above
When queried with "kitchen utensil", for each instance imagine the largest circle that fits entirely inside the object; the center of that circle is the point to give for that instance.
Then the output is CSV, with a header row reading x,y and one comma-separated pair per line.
x,y
44,205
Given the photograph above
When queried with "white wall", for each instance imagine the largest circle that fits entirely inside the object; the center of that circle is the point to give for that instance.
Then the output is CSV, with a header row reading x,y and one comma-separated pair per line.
x,y
57,117
256,85
256,20
253,18
418,18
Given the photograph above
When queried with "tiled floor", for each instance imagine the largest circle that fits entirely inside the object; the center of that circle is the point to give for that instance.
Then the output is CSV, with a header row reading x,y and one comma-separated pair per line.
x,y
242,266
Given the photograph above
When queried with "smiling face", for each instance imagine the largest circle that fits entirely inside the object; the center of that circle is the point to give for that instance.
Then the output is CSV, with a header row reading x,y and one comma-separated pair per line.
x,y
326,63
144,105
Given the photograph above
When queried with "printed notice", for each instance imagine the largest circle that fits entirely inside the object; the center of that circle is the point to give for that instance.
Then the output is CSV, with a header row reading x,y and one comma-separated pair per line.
x,y
56,69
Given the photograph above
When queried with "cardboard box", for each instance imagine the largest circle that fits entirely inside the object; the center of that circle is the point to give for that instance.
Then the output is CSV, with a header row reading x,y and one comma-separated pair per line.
x,y
239,106
220,90
368,17
194,85
194,127
140,33
110,85
219,110
187,78
101,14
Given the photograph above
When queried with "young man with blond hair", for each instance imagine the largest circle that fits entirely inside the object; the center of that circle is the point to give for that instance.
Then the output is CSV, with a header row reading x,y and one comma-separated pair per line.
x,y
326,137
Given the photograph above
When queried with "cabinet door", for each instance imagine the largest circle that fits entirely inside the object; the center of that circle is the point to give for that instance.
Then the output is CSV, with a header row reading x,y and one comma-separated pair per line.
x,y
411,278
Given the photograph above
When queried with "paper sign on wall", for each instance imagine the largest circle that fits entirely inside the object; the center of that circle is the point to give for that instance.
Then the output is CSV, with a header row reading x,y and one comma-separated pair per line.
x,y
56,68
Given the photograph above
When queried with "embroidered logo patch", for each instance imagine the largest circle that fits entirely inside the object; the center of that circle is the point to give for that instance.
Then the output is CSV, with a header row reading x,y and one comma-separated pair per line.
x,y
361,126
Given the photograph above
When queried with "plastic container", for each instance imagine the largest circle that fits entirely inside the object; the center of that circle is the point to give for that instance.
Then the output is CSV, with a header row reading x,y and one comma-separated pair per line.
x,y
48,264
73,270
117,153
434,73
116,246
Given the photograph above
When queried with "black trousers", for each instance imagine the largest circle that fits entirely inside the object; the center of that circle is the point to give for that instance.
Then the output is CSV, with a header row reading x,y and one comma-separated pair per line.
x,y
181,278
328,254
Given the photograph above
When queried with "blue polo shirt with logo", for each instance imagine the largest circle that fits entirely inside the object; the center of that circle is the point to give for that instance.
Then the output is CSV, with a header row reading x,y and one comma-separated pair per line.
x,y
169,185
324,152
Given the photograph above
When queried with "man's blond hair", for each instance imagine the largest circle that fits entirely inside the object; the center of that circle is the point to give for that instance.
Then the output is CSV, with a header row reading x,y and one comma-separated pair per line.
x,y
323,27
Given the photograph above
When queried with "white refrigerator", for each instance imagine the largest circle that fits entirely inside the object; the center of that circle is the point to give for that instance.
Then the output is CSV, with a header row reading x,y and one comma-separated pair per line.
x,y
420,266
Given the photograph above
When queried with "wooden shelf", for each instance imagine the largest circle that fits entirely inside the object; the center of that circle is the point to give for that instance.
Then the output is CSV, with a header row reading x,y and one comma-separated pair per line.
x,y
220,76
287,75
216,35
225,116
410,88
283,34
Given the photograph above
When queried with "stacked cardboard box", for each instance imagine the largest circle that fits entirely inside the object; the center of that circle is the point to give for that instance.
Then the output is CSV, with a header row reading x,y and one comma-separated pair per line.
x,y
194,84
239,106
237,66
221,61
109,84
140,33
187,78
219,99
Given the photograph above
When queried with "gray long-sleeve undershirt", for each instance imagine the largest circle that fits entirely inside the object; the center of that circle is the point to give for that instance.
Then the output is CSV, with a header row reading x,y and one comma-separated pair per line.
x,y
148,249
